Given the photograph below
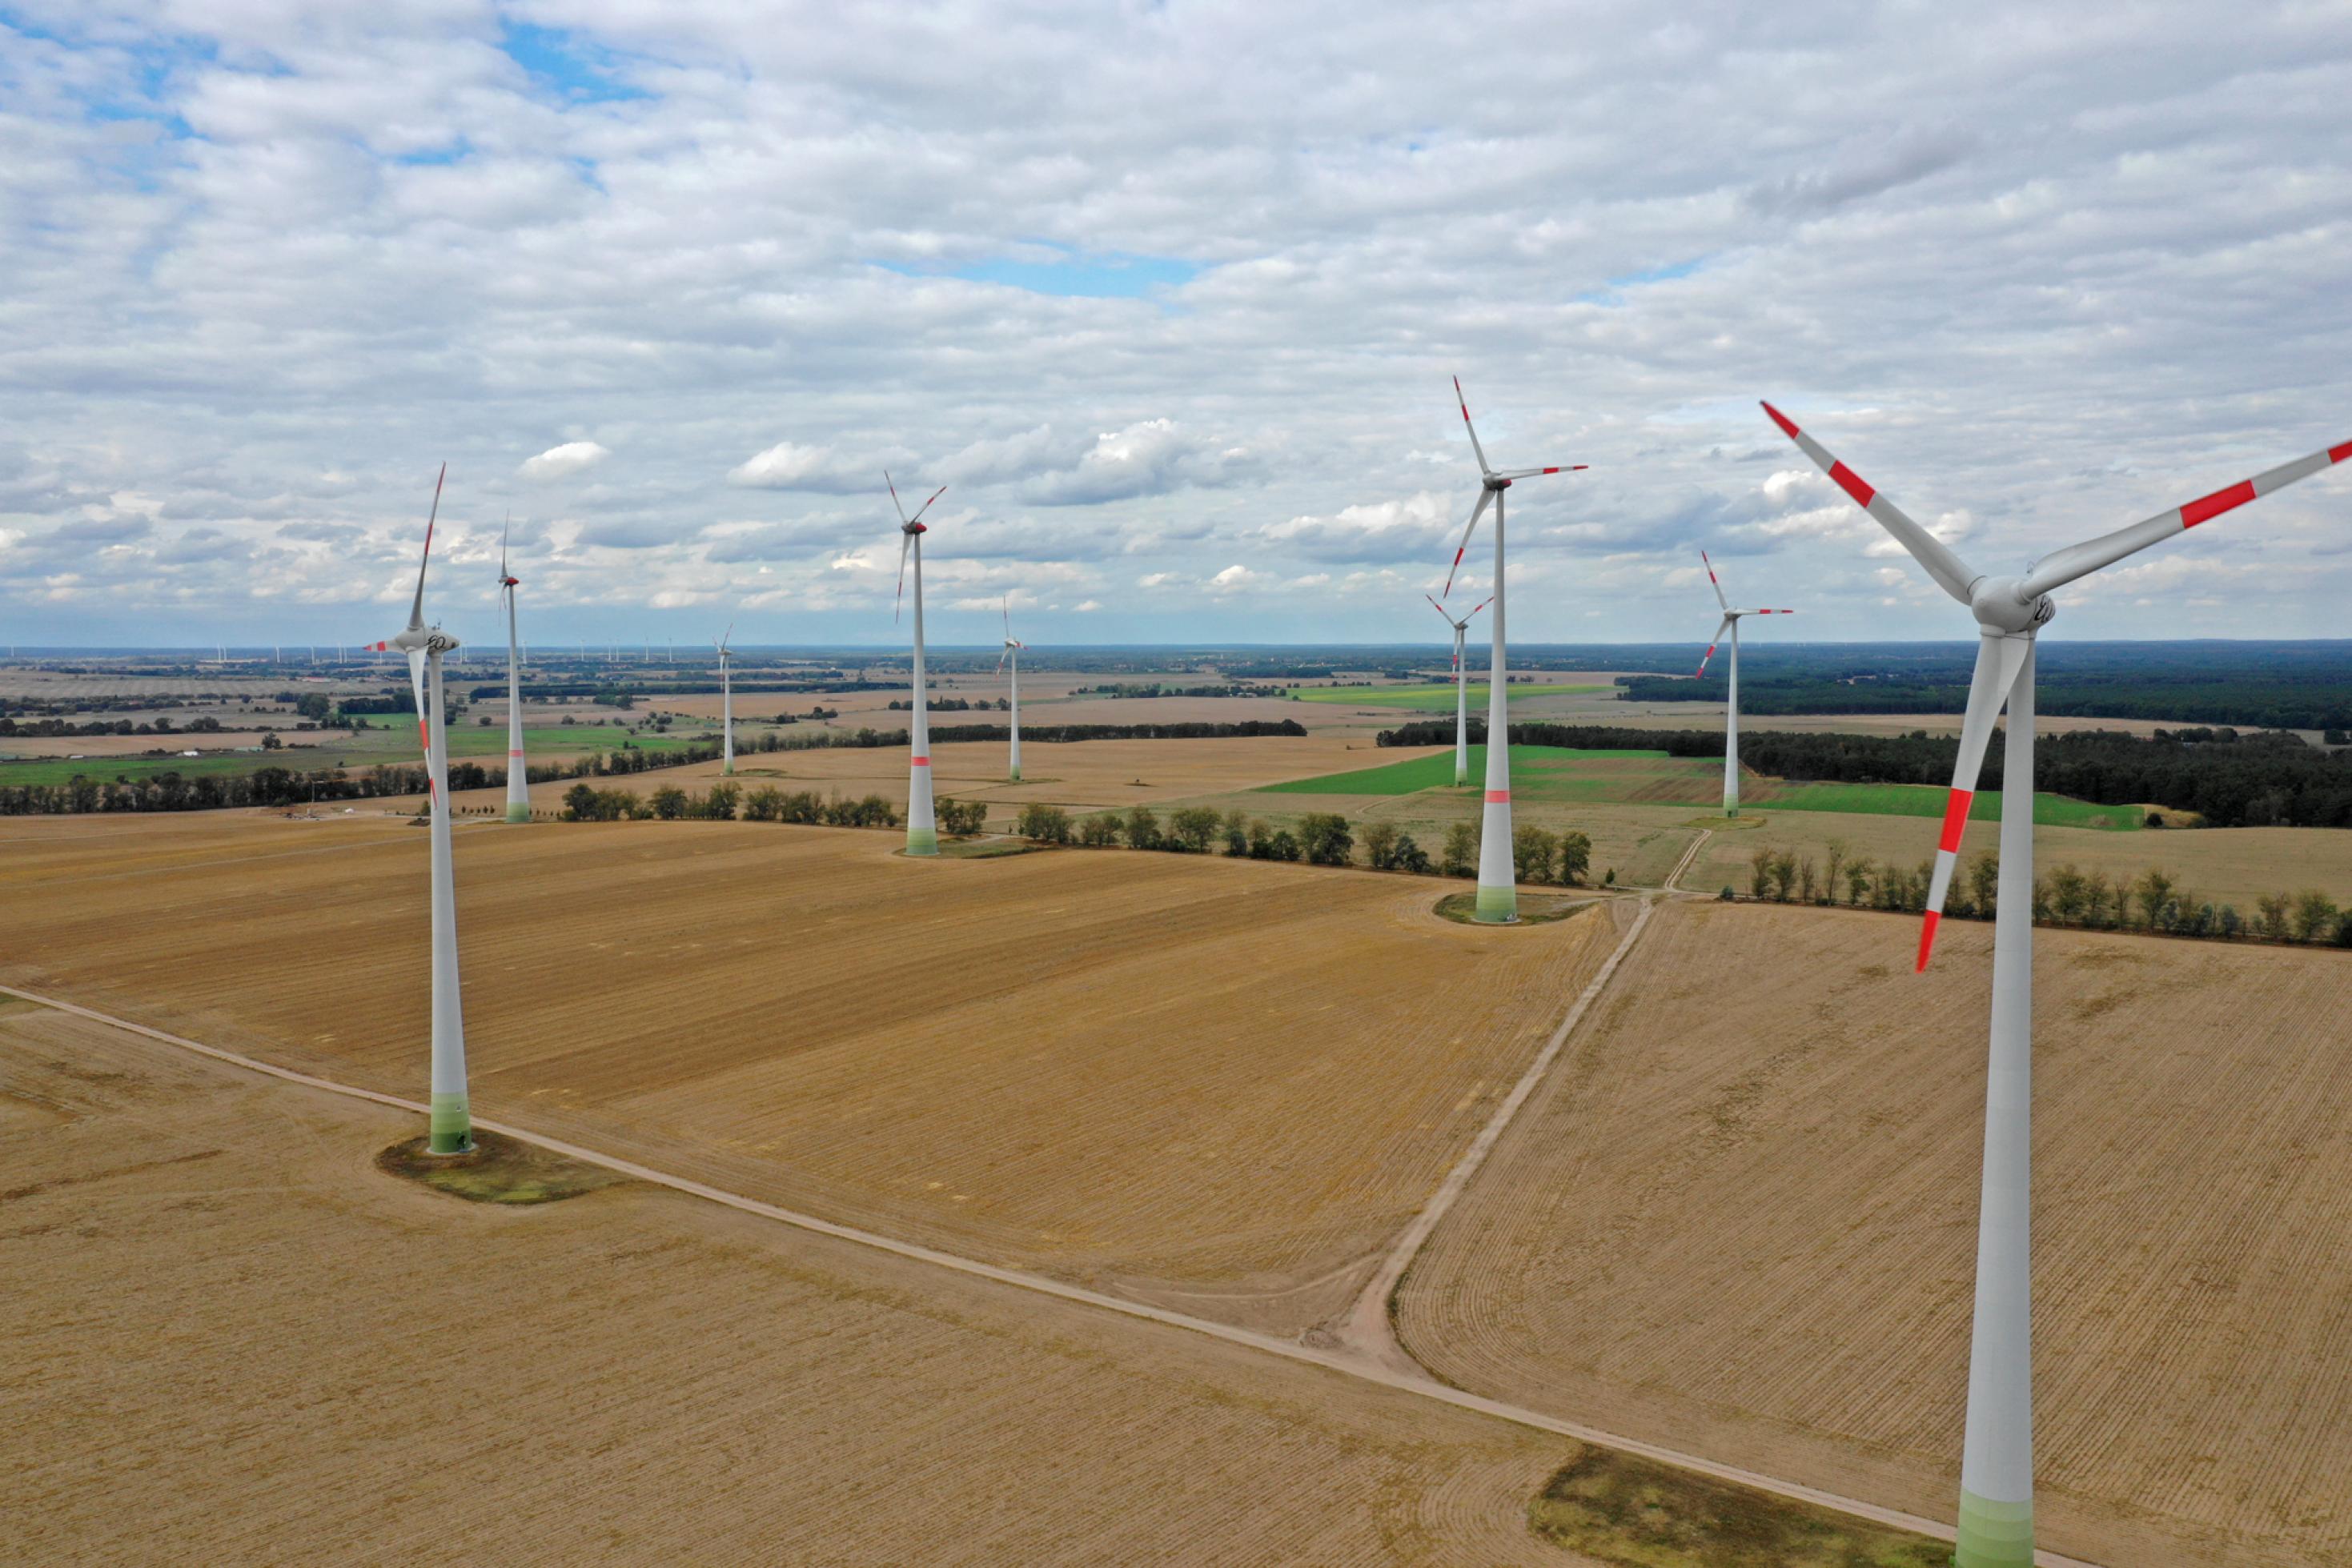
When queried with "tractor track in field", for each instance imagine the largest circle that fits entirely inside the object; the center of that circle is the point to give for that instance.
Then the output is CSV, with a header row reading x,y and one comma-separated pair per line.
x,y
1414,1381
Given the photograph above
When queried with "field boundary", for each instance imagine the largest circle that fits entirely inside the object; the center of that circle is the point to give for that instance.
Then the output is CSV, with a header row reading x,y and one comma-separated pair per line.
x,y
1401,1382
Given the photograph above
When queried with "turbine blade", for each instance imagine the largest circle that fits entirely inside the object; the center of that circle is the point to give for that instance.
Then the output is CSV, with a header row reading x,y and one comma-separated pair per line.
x,y
1532,473
1949,571
504,529
416,605
1001,657
905,540
1999,659
417,683
1711,647
894,497
1007,608
2078,560
926,505
1476,512
1480,605
1719,599
1439,607
1470,427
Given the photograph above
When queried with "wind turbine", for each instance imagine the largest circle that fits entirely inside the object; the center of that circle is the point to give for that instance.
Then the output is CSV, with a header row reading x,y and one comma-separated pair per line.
x,y
1498,892
517,774
1731,712
1996,1525
922,827
451,1127
1460,689
727,697
1012,653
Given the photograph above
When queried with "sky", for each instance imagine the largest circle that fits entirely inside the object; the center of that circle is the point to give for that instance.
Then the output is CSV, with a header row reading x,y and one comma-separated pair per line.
x,y
1169,297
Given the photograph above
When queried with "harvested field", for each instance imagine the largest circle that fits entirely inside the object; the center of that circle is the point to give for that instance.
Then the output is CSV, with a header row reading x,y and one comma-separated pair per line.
x,y
249,1346
1216,1084
1741,1218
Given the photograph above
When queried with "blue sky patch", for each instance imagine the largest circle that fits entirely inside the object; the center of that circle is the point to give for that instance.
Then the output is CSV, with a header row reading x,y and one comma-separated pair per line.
x,y
1067,273
581,70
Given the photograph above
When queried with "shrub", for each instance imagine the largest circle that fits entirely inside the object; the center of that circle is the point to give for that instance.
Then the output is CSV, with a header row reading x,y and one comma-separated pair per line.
x,y
1260,842
1282,846
960,819
669,803
1533,850
800,806
1325,837
1237,833
1101,830
1460,855
1379,845
1576,858
719,806
1409,856
765,804
1142,828
1190,828
1043,824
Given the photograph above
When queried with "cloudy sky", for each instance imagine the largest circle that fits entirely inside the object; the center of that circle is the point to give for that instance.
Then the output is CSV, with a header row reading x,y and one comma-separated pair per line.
x,y
1169,297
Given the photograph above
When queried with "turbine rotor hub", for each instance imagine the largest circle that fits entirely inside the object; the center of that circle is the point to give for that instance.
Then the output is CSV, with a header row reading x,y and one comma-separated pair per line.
x,y
2000,604
1497,486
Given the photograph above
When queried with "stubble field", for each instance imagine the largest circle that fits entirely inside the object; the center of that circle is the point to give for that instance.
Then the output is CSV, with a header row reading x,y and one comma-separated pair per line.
x,y
249,1346
1212,1084
1741,1218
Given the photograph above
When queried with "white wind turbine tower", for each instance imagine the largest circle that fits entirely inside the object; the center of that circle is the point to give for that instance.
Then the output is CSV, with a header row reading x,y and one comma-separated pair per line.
x,y
1498,892
922,826
1461,688
1731,710
1012,654
451,1127
1996,1524
727,697
517,774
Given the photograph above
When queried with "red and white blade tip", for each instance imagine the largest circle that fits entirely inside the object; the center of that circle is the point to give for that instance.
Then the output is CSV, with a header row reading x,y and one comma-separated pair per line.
x,y
1788,426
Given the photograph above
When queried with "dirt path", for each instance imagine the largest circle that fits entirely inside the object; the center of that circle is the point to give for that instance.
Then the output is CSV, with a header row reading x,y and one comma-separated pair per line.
x,y
1367,1333
1345,1365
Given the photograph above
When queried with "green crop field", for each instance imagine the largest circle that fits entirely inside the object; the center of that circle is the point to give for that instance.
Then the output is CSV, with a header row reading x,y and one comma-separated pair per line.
x,y
1927,801
1435,772
1566,776
1428,700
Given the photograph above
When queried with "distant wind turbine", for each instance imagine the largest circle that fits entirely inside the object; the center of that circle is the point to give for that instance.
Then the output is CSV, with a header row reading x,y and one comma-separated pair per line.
x,y
451,1127
1461,687
1996,1523
518,773
727,696
1013,655
922,825
1498,892
1731,710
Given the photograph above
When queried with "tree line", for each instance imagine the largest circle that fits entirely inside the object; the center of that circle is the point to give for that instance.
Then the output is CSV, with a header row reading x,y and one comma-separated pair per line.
x,y
2155,901
2263,779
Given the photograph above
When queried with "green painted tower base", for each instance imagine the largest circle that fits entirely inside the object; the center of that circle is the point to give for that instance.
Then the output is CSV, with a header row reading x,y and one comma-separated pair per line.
x,y
518,813
451,1126
922,841
1497,905
1994,1535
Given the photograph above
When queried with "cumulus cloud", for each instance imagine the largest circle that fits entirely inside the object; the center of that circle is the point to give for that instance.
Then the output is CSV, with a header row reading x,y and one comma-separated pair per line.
x,y
563,461
1148,458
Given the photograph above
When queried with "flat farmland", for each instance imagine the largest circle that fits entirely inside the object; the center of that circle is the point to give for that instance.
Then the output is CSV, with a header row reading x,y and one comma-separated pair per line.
x,y
249,1346
1213,1084
1741,1218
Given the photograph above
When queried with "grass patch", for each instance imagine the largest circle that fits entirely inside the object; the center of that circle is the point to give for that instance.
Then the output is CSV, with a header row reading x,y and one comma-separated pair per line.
x,y
1429,699
1436,771
499,1170
1641,1514
1535,908
1927,801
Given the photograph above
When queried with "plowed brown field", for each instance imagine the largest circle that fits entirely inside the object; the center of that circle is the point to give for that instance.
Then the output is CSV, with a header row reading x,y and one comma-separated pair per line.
x,y
1221,1085
1741,1218
249,1346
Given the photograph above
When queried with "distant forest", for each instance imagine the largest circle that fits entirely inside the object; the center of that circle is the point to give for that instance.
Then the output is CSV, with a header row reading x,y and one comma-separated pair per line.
x,y
2231,780
2265,685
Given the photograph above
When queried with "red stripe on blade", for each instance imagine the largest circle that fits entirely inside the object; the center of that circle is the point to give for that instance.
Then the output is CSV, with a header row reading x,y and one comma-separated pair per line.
x,y
1498,795
1852,484
2219,502
2338,454
921,761
1787,428
1956,820
1926,941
